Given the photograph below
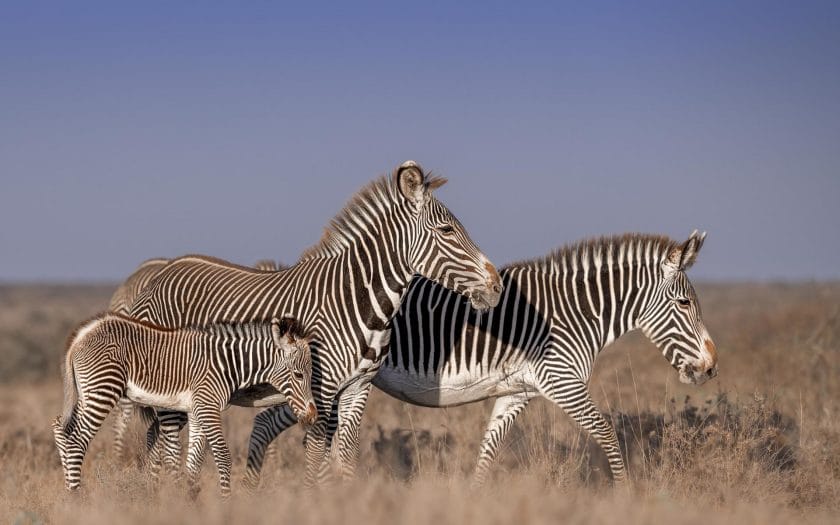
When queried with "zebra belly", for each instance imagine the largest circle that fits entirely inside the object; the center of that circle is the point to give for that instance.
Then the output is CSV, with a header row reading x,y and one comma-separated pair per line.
x,y
181,401
260,395
450,390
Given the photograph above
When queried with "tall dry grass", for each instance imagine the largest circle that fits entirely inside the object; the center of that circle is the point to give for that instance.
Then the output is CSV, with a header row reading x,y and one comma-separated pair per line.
x,y
760,444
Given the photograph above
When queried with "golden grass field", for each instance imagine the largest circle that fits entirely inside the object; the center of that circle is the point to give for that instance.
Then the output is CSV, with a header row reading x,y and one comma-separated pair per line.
x,y
759,444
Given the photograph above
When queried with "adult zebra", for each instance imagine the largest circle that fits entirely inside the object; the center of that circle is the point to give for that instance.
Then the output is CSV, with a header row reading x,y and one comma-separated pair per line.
x,y
554,317
126,293
121,300
345,290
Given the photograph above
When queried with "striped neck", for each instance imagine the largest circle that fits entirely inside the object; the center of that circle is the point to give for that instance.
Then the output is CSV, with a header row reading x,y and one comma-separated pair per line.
x,y
607,282
369,238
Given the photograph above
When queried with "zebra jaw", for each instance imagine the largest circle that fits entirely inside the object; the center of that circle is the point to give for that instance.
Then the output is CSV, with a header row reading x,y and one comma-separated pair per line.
x,y
481,301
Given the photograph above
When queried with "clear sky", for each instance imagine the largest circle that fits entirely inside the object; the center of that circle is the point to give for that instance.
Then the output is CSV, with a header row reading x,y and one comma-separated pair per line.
x,y
239,129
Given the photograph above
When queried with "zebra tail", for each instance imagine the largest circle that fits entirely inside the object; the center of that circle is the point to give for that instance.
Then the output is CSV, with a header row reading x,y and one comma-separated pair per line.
x,y
71,392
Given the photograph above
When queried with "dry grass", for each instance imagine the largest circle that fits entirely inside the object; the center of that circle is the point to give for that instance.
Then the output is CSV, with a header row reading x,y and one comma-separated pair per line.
x,y
760,444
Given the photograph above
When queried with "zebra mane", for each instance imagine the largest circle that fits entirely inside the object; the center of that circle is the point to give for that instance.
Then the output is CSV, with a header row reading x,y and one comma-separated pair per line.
x,y
239,330
338,233
250,328
152,262
607,248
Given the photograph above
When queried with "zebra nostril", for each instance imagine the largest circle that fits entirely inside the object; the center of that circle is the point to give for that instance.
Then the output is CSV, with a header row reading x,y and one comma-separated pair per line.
x,y
497,288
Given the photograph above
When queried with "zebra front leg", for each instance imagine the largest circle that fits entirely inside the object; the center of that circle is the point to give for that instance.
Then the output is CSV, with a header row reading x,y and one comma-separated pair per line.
x,y
126,410
267,426
573,397
504,414
210,421
315,443
351,408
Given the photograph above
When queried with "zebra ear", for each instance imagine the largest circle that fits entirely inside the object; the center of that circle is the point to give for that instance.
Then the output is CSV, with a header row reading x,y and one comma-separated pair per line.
x,y
682,258
282,331
411,181
690,249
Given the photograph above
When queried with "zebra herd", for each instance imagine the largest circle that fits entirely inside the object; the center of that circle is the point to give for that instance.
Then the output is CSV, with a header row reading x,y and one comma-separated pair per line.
x,y
395,295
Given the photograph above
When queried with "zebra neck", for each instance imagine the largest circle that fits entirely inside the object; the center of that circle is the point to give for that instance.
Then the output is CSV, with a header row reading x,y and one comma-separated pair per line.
x,y
249,357
379,280
603,302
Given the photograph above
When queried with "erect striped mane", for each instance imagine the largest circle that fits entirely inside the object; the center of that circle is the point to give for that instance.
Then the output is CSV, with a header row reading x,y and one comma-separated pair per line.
x,y
606,248
238,328
337,235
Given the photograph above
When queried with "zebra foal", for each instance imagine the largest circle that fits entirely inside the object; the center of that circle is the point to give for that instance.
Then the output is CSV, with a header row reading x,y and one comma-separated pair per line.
x,y
195,370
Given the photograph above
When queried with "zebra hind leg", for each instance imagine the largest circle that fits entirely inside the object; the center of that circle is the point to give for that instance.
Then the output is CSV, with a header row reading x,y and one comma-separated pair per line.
x,y
86,423
501,420
195,456
126,410
268,424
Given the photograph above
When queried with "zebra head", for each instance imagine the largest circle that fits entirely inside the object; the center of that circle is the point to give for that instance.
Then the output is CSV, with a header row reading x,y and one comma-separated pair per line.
x,y
293,348
672,318
440,248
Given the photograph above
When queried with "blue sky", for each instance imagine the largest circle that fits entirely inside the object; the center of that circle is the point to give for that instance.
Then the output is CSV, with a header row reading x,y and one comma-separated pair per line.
x,y
239,129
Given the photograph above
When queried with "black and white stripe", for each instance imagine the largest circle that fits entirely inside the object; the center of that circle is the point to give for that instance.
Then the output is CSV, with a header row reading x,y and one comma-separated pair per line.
x,y
123,297
553,319
195,370
345,290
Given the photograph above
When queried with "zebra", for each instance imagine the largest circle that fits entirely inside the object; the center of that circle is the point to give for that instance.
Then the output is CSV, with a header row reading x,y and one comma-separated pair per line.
x,y
122,298
192,369
555,316
345,289
128,290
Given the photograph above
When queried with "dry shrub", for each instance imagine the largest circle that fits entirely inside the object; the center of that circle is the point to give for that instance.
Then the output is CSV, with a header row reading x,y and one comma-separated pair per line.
x,y
760,444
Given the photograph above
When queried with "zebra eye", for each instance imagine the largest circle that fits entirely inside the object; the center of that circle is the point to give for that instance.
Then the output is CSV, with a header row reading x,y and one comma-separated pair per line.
x,y
298,375
683,302
445,229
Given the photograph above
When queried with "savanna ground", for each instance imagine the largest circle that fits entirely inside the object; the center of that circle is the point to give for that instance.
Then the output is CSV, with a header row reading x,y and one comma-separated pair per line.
x,y
759,444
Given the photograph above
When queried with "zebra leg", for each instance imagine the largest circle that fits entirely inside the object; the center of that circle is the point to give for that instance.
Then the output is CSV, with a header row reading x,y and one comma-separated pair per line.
x,y
211,425
351,408
126,410
154,446
86,423
504,414
195,455
171,424
267,426
164,439
573,397
315,443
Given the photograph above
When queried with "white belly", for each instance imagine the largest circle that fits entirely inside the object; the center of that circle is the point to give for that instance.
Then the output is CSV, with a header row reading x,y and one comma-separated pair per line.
x,y
450,390
175,401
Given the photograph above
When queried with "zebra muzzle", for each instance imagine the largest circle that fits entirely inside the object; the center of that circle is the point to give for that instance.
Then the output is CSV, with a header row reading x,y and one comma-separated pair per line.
x,y
310,415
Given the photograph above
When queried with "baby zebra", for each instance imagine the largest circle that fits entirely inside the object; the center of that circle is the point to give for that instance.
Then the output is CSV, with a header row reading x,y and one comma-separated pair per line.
x,y
191,369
